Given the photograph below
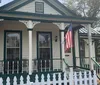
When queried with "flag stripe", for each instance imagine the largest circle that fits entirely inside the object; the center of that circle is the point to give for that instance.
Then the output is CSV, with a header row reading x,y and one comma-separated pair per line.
x,y
68,38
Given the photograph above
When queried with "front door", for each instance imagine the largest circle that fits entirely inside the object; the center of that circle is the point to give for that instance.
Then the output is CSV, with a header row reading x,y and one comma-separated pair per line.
x,y
44,51
12,54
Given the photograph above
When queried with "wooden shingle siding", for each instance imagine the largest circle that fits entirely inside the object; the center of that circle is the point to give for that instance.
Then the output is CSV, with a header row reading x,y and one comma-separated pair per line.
x,y
31,8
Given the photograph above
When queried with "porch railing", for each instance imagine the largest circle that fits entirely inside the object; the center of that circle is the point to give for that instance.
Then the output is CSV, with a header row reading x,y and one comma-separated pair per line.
x,y
97,59
13,66
44,65
96,67
83,62
38,65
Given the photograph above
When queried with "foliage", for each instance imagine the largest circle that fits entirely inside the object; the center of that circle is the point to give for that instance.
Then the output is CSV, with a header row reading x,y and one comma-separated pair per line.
x,y
85,8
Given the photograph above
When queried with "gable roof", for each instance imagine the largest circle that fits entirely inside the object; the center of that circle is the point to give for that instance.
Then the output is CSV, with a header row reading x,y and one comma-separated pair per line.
x,y
53,3
9,12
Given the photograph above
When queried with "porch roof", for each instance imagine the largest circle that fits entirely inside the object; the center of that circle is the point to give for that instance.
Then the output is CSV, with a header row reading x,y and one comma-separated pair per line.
x,y
15,15
84,30
83,33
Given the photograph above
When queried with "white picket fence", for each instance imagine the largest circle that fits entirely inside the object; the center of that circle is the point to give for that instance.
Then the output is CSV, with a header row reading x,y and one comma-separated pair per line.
x,y
76,78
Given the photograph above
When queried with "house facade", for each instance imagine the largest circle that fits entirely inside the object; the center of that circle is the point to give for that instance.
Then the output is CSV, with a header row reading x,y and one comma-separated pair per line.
x,y
84,47
32,36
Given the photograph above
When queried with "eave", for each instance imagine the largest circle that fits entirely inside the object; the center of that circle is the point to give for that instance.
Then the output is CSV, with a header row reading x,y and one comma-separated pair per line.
x,y
43,17
85,36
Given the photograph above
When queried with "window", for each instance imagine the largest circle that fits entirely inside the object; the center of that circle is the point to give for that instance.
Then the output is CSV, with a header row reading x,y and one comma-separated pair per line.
x,y
82,48
97,50
12,45
12,56
39,7
44,50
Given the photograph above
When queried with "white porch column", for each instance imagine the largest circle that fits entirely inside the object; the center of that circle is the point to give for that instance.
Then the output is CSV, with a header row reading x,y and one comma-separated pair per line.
x,y
62,28
62,45
90,46
30,25
30,28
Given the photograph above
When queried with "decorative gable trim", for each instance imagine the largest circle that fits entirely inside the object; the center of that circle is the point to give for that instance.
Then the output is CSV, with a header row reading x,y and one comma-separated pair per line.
x,y
19,6
54,7
13,4
46,1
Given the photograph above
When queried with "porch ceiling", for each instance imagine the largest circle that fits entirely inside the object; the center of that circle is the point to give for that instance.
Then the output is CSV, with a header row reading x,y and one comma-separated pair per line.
x,y
85,31
9,15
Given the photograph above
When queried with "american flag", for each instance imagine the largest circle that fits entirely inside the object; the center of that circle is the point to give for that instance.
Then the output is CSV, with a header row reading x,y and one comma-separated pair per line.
x,y
68,38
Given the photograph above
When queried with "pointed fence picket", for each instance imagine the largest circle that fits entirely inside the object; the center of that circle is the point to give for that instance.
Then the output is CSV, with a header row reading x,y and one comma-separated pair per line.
x,y
15,81
76,78
1,81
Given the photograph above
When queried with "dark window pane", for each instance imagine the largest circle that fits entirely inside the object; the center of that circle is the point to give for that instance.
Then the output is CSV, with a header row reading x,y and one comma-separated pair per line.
x,y
82,48
44,40
12,45
12,53
39,7
44,53
13,39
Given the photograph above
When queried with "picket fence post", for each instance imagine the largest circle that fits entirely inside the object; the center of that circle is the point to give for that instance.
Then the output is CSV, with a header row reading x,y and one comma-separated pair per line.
x,y
48,80
28,80
21,80
15,81
42,80
85,78
90,78
59,78
71,81
65,79
1,81
80,78
95,78
54,79
36,80
75,78
8,81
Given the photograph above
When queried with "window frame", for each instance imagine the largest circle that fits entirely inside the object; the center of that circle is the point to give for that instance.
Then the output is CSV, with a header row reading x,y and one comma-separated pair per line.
x,y
39,11
5,39
51,57
20,58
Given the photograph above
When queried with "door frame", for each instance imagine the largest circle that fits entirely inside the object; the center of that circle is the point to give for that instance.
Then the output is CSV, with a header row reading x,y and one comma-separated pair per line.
x,y
20,59
50,46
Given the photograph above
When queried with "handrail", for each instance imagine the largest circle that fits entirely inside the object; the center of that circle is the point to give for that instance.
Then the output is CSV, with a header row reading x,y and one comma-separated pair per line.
x,y
48,59
65,62
95,62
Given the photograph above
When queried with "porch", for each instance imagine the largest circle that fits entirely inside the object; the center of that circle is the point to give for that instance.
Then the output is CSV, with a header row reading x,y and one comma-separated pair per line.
x,y
30,49
84,63
30,46
38,65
